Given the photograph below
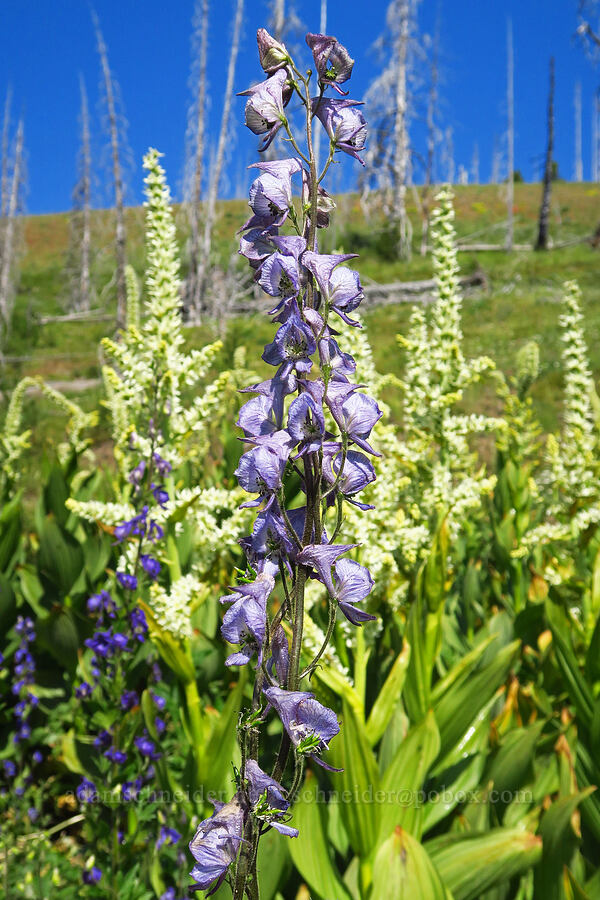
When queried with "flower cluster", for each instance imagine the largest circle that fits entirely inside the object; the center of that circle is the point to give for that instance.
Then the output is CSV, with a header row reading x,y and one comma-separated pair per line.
x,y
24,670
310,424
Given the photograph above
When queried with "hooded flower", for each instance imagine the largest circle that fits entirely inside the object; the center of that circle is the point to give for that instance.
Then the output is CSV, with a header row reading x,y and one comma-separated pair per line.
x,y
264,108
325,204
269,544
346,580
334,63
356,414
306,423
344,123
279,276
267,798
216,843
340,288
260,470
271,53
256,244
245,621
339,364
293,345
309,724
358,472
271,193
257,417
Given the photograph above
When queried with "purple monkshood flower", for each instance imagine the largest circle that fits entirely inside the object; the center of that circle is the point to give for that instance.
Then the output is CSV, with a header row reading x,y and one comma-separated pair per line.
x,y
167,836
116,756
275,389
37,757
101,603
260,470
271,53
139,626
358,472
32,813
150,565
258,417
147,747
83,690
245,621
280,655
334,63
160,495
355,414
309,724
129,699
103,740
161,465
25,628
271,193
306,423
346,581
136,525
92,876
256,245
345,125
127,581
340,288
293,345
216,843
159,701
279,276
339,364
10,769
136,475
130,789
269,544
23,733
160,725
169,894
264,108
267,798
86,791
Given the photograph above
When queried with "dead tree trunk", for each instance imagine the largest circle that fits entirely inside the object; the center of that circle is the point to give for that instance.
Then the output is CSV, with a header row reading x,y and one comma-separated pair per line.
x,y
4,180
197,124
400,218
510,139
9,238
475,164
432,102
117,173
578,169
317,132
542,239
81,242
215,175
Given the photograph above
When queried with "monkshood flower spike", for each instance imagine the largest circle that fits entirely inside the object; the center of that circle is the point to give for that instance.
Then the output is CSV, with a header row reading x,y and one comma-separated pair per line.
x,y
307,434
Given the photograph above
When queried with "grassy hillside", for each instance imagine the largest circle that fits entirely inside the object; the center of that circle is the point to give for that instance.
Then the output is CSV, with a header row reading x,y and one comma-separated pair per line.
x,y
520,303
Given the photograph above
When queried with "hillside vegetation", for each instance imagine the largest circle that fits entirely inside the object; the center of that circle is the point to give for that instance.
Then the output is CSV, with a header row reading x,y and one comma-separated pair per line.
x,y
518,304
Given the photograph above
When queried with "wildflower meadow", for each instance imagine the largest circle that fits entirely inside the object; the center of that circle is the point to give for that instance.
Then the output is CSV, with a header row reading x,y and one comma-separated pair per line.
x,y
295,623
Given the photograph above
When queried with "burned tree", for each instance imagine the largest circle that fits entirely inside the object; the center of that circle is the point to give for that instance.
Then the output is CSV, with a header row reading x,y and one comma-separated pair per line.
x,y
510,139
10,233
195,149
542,238
80,240
116,128
578,167
217,168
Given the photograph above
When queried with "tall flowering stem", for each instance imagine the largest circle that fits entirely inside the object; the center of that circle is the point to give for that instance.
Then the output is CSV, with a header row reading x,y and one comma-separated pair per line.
x,y
308,424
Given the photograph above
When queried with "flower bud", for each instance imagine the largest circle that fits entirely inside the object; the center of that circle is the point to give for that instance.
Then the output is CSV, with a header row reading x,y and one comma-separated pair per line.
x,y
272,55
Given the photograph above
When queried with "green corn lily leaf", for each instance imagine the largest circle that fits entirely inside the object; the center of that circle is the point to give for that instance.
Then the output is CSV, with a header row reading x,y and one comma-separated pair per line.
x,y
579,690
559,842
459,706
403,871
309,851
358,783
404,778
512,765
383,708
470,865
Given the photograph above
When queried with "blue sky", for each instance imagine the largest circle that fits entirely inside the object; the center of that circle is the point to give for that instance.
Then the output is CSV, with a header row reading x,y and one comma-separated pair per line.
x,y
44,44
